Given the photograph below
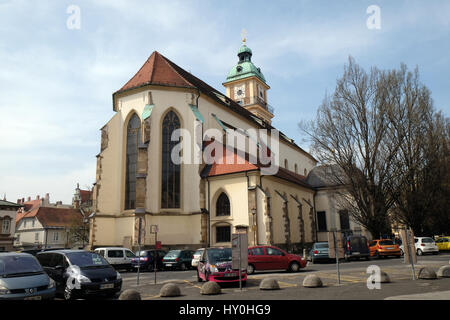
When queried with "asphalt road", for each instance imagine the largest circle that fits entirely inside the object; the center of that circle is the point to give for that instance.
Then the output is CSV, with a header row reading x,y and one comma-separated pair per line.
x,y
353,279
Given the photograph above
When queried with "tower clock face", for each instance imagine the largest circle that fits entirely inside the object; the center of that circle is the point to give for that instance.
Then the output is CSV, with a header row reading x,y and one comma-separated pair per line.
x,y
239,92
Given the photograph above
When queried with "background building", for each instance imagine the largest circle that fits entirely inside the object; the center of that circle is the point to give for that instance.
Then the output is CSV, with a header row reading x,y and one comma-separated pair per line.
x,y
7,224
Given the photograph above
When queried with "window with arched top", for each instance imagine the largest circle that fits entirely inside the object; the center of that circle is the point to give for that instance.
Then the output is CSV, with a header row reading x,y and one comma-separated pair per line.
x,y
223,205
170,188
296,168
286,164
133,138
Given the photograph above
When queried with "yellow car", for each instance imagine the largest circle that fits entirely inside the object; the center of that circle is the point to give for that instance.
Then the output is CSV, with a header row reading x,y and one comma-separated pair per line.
x,y
443,243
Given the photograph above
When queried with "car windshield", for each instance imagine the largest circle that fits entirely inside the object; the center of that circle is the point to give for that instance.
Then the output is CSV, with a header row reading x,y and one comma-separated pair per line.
x,y
173,254
322,245
86,259
142,253
427,240
10,265
219,255
386,243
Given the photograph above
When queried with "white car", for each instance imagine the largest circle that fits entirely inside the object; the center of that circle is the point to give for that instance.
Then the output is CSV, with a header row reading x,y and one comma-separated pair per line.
x,y
423,245
119,258
196,257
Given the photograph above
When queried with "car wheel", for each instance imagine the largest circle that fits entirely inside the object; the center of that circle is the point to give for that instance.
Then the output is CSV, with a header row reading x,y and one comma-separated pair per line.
x,y
436,252
198,277
183,267
250,269
368,258
68,293
419,252
377,255
294,267
244,283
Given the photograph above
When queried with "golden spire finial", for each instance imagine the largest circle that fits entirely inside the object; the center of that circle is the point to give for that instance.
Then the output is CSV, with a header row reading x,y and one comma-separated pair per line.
x,y
243,35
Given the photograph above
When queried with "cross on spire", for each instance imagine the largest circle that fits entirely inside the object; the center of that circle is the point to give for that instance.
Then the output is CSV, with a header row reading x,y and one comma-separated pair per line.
x,y
243,35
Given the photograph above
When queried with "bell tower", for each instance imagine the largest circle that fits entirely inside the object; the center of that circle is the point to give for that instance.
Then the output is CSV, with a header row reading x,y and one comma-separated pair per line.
x,y
246,85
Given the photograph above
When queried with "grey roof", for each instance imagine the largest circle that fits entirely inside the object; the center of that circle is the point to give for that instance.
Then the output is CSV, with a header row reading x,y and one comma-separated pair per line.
x,y
5,203
325,176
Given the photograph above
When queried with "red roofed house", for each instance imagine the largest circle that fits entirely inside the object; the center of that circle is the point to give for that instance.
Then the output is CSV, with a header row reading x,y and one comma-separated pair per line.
x,y
197,203
40,224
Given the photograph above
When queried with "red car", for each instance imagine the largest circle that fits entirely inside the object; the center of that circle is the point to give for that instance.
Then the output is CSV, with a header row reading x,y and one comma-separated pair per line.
x,y
273,258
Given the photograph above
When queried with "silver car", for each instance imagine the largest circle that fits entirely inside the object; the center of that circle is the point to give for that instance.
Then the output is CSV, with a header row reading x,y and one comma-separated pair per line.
x,y
23,278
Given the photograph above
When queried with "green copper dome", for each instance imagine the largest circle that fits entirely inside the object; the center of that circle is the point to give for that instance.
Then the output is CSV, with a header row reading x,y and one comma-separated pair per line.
x,y
243,49
245,67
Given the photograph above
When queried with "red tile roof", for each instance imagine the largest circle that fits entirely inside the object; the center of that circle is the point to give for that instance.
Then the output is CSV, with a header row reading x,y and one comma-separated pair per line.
x,y
156,70
53,217
230,164
58,217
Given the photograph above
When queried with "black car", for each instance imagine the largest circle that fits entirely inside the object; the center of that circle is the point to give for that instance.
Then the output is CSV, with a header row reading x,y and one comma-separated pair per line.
x,y
178,259
79,273
356,247
147,259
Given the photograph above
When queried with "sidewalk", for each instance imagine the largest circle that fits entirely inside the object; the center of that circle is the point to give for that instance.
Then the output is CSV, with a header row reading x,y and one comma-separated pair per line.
x,y
440,295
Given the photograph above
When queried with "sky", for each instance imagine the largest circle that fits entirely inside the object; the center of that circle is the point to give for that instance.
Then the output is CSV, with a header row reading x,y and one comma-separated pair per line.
x,y
59,66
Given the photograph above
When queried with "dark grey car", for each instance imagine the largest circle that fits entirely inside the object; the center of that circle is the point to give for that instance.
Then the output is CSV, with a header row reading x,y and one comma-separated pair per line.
x,y
23,278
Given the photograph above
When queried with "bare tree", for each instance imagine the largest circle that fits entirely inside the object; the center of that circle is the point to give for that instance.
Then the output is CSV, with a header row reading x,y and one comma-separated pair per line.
x,y
353,131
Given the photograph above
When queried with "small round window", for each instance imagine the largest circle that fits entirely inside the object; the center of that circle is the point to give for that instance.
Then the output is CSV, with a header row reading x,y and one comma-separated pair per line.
x,y
239,68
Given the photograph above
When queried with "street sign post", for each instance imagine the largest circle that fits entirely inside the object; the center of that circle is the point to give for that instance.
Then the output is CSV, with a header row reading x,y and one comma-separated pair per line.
x,y
154,230
139,249
335,249
239,253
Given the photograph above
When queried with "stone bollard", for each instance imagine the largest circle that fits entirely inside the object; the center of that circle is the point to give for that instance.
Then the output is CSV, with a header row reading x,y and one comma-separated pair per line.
x,y
210,288
170,290
269,284
130,294
384,277
444,272
427,274
312,281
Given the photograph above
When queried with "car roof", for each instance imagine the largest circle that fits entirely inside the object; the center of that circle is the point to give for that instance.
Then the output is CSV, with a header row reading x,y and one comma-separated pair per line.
x,y
12,254
113,248
62,251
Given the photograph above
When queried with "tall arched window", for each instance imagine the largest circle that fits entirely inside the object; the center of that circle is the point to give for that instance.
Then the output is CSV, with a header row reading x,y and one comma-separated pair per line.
x,y
170,189
223,205
133,138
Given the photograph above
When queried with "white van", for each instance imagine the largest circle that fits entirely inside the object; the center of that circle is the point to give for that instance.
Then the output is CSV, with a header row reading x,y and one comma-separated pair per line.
x,y
119,258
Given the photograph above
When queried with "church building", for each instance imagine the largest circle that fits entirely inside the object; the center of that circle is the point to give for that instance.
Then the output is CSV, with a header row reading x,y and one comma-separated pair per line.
x,y
199,203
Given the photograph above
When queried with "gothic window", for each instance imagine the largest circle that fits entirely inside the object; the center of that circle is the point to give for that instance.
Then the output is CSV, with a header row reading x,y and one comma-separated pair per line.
x,y
133,138
170,189
223,205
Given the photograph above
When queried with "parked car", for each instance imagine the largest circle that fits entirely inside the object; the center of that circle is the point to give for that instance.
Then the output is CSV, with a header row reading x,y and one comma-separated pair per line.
x,y
216,265
355,247
119,258
425,245
178,259
196,257
273,258
147,259
319,252
22,277
384,248
79,273
443,243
